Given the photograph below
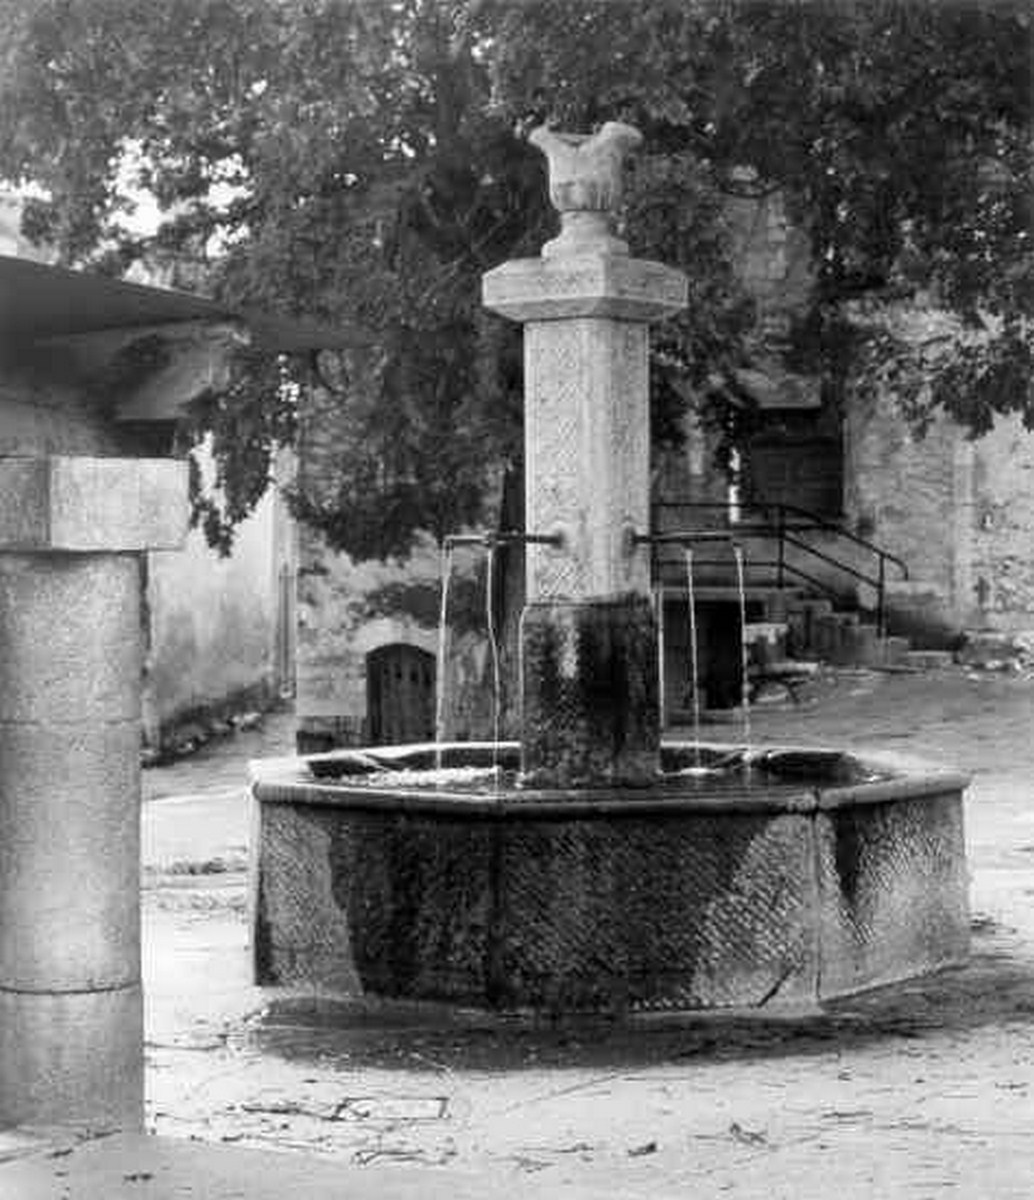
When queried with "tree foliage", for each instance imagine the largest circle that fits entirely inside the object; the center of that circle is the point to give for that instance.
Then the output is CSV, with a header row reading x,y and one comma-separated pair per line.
x,y
363,163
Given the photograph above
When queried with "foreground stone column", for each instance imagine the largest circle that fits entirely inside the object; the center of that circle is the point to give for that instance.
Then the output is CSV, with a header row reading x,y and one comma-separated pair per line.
x,y
589,647
71,1015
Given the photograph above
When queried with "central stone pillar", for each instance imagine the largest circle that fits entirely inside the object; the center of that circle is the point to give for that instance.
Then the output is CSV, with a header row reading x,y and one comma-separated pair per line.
x,y
71,1014
589,647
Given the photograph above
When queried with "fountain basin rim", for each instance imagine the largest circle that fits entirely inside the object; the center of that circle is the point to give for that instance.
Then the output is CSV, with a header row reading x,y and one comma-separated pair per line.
x,y
281,781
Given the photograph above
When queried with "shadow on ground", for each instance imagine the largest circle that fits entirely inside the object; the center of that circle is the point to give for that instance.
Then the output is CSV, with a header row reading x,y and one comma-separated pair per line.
x,y
995,988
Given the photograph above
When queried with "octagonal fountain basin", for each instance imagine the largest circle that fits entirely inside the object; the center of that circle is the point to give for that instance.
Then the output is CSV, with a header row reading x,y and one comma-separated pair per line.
x,y
784,877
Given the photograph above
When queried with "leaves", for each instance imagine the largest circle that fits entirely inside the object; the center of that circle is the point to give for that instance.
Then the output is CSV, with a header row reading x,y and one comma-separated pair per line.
x,y
363,164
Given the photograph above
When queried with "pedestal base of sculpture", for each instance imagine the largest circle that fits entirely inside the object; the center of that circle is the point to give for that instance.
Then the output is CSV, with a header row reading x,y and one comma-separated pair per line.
x,y
590,698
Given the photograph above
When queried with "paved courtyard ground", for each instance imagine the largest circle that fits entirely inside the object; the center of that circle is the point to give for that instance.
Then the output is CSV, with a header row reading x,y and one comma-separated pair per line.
x,y
925,1090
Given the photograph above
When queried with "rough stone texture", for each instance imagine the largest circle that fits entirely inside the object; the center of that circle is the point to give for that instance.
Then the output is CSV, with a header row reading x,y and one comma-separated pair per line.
x,y
893,884
72,1058
590,693
314,943
649,907
587,449
69,628
74,807
70,1035
84,504
960,512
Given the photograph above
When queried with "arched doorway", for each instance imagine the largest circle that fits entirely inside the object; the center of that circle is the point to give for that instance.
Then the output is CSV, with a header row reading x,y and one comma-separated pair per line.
x,y
400,693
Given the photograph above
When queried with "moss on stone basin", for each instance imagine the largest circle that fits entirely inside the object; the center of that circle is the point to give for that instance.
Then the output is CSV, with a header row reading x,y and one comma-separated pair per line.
x,y
784,876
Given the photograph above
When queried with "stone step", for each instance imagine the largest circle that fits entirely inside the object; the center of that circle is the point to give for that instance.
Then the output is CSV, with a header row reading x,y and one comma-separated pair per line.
x,y
801,616
896,650
833,637
929,660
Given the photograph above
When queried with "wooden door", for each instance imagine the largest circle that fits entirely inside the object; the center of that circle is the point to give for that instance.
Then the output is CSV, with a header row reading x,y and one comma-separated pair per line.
x,y
400,686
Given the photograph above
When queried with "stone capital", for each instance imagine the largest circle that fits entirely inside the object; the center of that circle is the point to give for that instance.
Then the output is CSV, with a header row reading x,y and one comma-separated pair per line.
x,y
92,505
590,285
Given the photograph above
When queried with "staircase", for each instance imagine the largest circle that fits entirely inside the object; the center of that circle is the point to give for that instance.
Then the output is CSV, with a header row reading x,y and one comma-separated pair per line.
x,y
814,591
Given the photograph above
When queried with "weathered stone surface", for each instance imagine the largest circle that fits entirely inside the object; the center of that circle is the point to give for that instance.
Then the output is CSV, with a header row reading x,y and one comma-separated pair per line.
x,y
72,1059
587,438
893,885
708,902
69,627
590,693
69,856
93,504
70,1027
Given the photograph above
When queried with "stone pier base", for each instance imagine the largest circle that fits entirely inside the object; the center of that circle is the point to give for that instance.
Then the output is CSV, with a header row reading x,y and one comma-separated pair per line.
x,y
590,693
71,1013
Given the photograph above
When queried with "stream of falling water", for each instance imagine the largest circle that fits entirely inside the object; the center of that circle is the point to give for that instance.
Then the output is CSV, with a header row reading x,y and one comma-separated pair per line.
x,y
443,645
493,643
737,552
693,671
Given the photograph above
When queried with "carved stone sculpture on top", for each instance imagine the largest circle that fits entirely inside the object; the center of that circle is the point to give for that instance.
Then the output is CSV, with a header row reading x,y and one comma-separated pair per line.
x,y
585,186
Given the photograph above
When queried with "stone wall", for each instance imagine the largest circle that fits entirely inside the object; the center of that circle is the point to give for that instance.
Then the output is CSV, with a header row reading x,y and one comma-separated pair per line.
x,y
773,257
213,623
959,511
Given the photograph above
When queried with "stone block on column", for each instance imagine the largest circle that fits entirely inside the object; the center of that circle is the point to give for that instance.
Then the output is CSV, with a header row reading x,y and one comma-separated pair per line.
x,y
588,285
92,504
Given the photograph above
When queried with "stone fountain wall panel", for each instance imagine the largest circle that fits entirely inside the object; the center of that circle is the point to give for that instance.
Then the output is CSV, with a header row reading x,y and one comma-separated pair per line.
x,y
420,907
696,905
696,911
358,902
894,890
655,913
299,933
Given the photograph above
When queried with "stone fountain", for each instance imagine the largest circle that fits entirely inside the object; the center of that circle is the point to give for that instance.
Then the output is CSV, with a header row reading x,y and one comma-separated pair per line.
x,y
608,872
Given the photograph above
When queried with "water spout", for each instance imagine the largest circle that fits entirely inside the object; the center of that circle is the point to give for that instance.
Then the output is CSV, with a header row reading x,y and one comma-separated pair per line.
x,y
737,552
693,650
443,638
493,643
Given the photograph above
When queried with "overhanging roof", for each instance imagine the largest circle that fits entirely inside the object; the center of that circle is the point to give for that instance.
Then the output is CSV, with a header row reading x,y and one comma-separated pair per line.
x,y
40,301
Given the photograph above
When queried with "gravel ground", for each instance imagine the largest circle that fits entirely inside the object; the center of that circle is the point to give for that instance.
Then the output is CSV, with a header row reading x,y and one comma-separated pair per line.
x,y
923,1090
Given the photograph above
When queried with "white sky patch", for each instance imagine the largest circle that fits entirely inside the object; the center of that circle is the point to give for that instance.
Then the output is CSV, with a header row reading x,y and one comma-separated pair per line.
x,y
145,215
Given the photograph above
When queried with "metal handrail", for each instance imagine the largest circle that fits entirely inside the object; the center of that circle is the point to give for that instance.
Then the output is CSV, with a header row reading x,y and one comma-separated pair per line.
x,y
817,522
787,533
